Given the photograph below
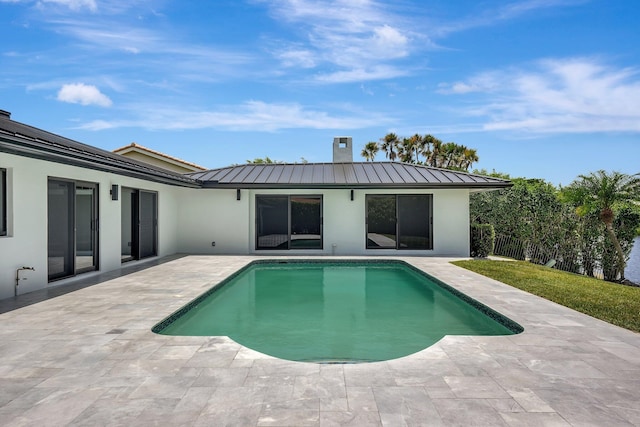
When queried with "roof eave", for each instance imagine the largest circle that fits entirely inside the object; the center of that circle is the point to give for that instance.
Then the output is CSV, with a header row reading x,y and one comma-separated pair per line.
x,y
34,149
394,186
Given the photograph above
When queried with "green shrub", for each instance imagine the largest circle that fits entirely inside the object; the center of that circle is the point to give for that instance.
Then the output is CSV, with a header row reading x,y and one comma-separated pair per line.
x,y
482,240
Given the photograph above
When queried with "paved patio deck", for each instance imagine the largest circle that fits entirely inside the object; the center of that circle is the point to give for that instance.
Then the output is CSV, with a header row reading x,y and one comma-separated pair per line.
x,y
89,358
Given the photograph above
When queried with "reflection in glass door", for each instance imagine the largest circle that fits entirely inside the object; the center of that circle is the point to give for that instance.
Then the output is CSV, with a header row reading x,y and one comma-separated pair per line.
x,y
272,222
86,224
289,222
306,222
148,221
72,223
381,221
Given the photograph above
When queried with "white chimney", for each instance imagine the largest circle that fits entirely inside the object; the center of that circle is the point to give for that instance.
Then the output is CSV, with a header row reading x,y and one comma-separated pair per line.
x,y
342,149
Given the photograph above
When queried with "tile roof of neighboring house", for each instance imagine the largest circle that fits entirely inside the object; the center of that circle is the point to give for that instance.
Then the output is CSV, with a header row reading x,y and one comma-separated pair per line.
x,y
25,140
140,148
343,175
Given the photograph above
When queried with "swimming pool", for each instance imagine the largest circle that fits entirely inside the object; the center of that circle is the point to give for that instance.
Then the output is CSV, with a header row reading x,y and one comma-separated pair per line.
x,y
334,311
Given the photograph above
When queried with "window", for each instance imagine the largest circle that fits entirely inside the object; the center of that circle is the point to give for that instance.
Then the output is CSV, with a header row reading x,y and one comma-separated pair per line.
x,y
72,212
399,221
288,222
3,202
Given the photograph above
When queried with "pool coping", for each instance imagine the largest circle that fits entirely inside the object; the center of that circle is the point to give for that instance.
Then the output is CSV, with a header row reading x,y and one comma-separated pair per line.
x,y
89,357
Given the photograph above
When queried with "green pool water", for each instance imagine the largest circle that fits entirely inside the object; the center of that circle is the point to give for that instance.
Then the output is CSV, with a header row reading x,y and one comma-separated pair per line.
x,y
334,312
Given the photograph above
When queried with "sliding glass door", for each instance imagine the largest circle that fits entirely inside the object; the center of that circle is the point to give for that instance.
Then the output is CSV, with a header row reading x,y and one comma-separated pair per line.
x,y
399,221
139,218
289,222
72,223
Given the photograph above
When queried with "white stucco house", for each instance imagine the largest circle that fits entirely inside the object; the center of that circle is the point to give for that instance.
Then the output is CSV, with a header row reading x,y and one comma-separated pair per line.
x,y
68,209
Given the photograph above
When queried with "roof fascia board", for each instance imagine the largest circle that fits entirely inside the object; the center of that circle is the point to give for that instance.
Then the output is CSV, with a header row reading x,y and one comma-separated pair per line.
x,y
456,185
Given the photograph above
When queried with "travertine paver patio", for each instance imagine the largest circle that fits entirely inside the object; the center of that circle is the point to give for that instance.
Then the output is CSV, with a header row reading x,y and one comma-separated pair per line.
x,y
89,358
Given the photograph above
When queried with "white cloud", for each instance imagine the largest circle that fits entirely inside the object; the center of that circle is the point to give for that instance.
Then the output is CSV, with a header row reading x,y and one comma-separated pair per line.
x,y
389,42
191,62
361,74
71,4
556,96
353,36
74,4
79,93
296,57
484,82
491,16
249,116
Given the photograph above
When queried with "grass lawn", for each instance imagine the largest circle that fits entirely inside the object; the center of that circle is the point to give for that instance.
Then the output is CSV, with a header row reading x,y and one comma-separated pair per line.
x,y
616,304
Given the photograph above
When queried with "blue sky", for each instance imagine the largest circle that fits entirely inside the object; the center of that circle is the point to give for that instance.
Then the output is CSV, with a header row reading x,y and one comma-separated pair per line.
x,y
541,88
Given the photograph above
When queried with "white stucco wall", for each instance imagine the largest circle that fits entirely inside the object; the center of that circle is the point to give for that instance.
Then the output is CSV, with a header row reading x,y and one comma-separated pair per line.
x,y
189,220
208,215
26,242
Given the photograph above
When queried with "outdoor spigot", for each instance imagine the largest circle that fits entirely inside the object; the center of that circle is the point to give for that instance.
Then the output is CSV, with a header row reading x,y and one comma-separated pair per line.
x,y
15,290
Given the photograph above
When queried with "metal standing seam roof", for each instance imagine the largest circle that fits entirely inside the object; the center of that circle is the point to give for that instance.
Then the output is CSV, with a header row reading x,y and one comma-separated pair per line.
x,y
343,175
21,139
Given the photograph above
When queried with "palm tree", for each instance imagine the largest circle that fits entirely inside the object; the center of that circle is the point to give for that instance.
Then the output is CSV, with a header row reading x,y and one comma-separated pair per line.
x,y
605,193
370,150
417,145
448,155
389,144
406,148
431,150
470,156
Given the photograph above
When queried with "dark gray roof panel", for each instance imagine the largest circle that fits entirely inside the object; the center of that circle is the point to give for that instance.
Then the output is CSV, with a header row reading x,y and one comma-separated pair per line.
x,y
354,175
25,140
18,138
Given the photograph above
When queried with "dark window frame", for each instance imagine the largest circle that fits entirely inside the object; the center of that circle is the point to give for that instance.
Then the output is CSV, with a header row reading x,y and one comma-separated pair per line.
x,y
397,198
288,198
4,199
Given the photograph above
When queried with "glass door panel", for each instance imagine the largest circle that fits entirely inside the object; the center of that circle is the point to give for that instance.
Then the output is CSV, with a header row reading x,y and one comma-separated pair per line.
x,y
148,221
414,230
306,222
381,222
85,228
272,222
128,201
60,229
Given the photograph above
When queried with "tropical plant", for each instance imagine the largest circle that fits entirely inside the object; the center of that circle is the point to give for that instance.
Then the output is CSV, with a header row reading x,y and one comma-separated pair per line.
x,y
410,149
482,240
390,144
435,153
260,161
370,151
605,194
530,222
469,157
